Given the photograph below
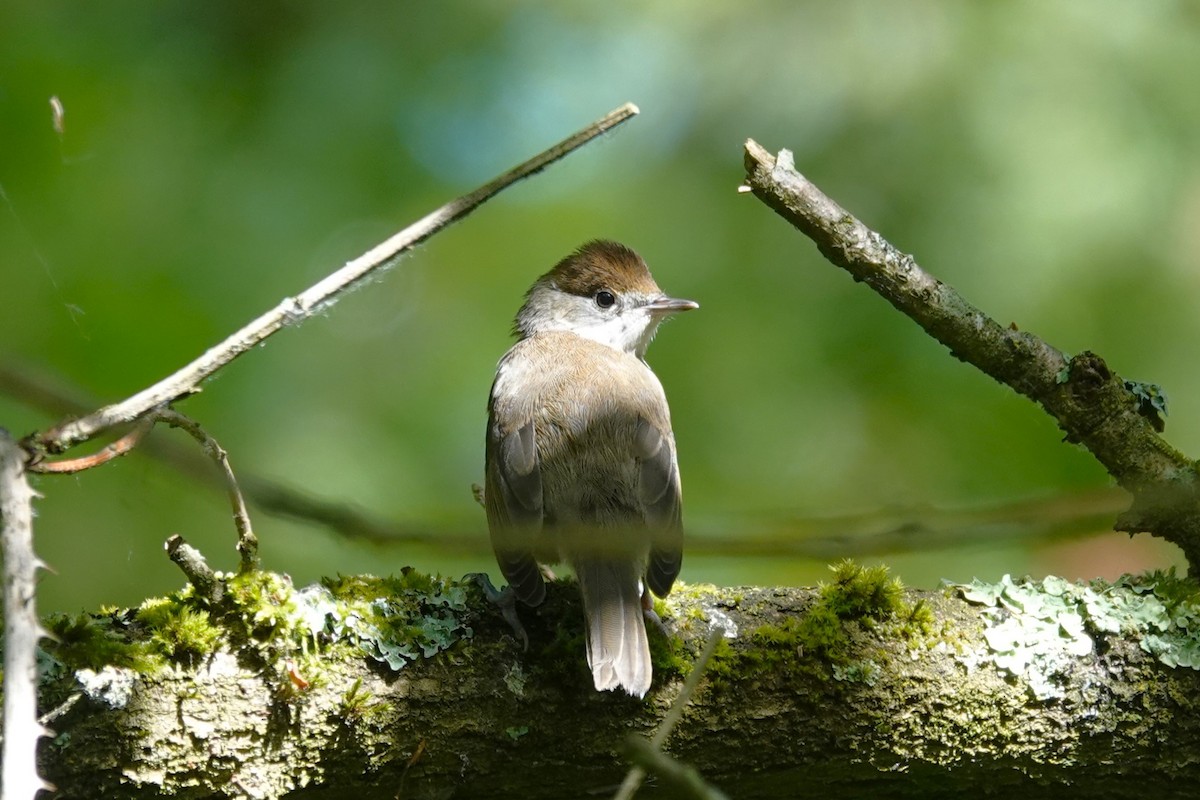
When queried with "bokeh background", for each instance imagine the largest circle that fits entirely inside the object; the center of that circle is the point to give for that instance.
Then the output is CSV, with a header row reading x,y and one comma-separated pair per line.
x,y
215,157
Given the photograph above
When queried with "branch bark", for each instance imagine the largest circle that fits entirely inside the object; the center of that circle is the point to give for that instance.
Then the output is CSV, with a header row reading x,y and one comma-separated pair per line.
x,y
1090,402
897,710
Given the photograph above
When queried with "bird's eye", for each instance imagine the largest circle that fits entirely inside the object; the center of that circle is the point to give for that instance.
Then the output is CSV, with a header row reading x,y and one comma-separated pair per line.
x,y
605,298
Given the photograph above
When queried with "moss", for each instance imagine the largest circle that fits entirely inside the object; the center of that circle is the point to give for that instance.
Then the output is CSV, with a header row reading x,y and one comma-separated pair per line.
x,y
826,638
724,667
358,704
289,633
178,630
94,641
821,633
862,593
670,656
516,732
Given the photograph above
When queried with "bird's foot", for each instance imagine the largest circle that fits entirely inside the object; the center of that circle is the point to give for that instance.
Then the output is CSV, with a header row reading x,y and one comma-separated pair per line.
x,y
651,616
504,600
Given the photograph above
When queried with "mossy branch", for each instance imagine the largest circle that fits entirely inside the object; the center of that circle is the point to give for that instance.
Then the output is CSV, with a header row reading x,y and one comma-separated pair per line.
x,y
862,688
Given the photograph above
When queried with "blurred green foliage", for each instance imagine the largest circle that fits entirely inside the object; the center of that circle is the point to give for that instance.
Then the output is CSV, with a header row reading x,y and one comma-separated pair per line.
x,y
215,157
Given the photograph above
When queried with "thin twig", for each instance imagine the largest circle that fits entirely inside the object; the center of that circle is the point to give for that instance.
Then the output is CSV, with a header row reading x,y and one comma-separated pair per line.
x,y
293,310
61,709
1089,400
683,780
199,574
21,628
247,544
635,776
115,449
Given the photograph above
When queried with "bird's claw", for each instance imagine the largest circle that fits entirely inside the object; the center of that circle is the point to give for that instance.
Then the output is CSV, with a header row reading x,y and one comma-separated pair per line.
x,y
651,616
506,602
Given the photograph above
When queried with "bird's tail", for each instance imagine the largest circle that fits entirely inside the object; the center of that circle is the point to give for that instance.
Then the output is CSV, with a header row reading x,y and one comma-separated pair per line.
x,y
617,649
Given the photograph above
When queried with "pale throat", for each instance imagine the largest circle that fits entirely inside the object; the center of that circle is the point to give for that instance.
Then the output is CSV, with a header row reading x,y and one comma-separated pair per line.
x,y
630,332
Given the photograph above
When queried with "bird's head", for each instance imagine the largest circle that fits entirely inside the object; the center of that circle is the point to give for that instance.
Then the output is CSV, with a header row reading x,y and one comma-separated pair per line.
x,y
604,292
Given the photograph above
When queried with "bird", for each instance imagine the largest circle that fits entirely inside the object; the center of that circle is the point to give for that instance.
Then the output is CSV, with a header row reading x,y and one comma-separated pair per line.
x,y
580,459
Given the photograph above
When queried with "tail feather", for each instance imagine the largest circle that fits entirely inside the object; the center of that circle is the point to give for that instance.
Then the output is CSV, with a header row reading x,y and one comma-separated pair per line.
x,y
617,648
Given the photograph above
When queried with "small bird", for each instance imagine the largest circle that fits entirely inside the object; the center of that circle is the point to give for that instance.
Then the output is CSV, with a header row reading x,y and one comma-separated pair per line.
x,y
580,457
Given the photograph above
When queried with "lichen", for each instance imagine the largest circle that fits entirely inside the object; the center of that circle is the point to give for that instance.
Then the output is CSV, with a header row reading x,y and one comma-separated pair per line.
x,y
261,616
1037,630
395,620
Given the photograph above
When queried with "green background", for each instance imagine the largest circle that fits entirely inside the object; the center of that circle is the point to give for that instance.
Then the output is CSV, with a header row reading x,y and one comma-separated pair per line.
x,y
1039,156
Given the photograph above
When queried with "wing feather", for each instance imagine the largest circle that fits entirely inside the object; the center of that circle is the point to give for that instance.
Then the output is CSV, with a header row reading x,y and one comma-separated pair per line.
x,y
513,499
660,495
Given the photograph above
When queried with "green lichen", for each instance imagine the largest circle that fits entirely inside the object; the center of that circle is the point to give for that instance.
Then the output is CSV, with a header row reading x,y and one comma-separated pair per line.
x,y
1152,401
865,671
396,620
1037,630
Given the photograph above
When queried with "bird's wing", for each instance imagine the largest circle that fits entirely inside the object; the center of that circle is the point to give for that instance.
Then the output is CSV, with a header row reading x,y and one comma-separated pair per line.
x,y
513,499
659,491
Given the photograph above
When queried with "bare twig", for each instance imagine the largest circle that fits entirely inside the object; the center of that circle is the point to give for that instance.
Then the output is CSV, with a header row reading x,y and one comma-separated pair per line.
x,y
199,574
635,776
293,310
21,628
681,779
1089,401
113,450
247,542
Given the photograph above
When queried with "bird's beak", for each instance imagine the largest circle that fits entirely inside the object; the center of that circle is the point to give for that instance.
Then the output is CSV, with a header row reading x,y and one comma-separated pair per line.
x,y
669,305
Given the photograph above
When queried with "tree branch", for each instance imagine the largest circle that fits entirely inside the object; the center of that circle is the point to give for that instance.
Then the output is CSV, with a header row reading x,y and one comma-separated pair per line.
x,y
21,628
111,451
1090,402
892,694
293,310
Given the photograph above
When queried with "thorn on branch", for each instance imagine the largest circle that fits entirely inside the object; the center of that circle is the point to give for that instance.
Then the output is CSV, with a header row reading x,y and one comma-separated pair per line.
x,y
21,627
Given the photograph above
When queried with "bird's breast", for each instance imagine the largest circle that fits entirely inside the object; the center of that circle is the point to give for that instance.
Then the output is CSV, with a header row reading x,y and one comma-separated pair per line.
x,y
586,401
